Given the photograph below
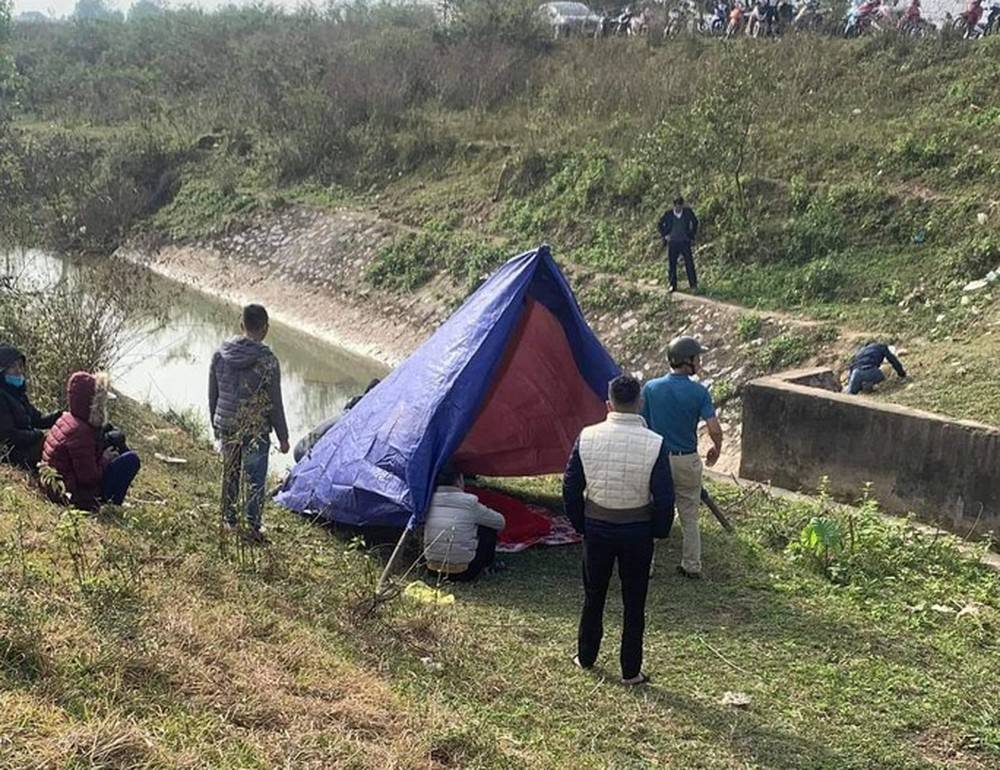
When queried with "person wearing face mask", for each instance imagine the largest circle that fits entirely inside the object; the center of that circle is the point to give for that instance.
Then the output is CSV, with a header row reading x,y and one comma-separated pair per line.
x,y
92,469
22,426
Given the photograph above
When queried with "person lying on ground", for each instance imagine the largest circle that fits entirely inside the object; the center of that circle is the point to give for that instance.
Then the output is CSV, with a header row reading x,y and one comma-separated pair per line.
x,y
312,438
245,405
618,493
460,533
94,464
865,369
673,407
22,426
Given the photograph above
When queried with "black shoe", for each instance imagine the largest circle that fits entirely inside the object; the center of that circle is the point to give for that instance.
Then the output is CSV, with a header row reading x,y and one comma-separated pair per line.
x,y
673,289
256,537
689,575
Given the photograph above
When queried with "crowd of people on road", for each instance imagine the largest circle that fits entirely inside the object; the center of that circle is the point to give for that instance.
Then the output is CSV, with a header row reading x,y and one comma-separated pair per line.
x,y
772,18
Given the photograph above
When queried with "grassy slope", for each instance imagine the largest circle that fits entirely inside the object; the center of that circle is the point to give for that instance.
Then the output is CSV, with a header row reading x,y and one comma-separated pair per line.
x,y
868,164
174,649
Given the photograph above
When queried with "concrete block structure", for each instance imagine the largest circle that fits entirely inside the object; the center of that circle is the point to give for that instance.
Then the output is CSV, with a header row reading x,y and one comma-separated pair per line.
x,y
798,428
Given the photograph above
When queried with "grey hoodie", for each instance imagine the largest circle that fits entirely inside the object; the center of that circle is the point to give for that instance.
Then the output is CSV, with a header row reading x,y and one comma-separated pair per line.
x,y
244,391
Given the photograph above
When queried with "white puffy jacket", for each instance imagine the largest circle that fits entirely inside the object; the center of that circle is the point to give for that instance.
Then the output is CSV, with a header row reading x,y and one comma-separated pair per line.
x,y
450,534
618,456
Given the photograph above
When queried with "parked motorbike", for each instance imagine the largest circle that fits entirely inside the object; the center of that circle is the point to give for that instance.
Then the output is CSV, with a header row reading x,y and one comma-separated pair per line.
x,y
720,19
862,19
614,25
809,17
992,26
970,23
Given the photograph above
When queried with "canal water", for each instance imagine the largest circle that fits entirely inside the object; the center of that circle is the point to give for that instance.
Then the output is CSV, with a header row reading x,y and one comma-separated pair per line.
x,y
167,364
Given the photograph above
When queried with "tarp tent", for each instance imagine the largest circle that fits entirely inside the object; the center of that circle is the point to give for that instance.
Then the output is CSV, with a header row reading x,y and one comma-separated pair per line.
x,y
503,388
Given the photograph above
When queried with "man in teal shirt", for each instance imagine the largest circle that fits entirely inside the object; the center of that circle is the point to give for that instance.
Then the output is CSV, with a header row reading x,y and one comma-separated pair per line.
x,y
674,405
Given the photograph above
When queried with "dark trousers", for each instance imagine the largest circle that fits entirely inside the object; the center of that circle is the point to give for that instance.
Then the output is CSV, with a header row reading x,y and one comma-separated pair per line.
x,y
675,250
486,552
24,457
118,477
244,461
863,379
634,558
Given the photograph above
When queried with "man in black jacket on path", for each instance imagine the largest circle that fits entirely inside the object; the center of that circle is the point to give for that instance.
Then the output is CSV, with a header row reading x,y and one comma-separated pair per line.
x,y
678,228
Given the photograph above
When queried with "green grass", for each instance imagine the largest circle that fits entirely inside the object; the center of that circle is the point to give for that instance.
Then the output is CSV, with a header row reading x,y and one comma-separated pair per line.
x,y
854,196
172,647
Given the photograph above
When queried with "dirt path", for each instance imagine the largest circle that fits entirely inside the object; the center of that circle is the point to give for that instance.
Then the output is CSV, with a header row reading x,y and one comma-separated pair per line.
x,y
312,267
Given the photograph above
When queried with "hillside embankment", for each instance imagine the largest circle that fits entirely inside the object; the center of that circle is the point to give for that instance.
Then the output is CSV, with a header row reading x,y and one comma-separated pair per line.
x,y
311,268
364,158
858,189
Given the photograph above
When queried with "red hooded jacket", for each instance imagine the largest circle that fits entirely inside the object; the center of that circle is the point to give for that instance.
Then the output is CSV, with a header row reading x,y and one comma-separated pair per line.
x,y
73,446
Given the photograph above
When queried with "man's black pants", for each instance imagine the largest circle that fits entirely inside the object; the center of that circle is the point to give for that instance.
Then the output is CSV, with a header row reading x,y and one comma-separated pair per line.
x,y
486,552
675,250
634,558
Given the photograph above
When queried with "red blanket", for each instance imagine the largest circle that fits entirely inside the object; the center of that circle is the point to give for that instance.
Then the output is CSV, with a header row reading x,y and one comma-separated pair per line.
x,y
526,525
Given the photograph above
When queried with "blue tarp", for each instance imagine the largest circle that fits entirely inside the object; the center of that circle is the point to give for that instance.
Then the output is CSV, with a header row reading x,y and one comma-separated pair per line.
x,y
377,466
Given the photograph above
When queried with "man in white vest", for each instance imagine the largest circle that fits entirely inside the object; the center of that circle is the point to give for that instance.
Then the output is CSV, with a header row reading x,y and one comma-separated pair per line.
x,y
619,494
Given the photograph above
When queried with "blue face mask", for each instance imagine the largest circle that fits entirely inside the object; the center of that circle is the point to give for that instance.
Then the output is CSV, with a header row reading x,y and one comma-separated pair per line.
x,y
15,380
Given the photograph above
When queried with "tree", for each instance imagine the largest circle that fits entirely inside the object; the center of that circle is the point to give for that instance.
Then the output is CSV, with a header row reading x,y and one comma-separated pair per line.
x,y
6,63
145,9
95,10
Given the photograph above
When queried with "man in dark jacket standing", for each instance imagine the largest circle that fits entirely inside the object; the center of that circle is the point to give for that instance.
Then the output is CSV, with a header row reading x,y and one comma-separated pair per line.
x,y
21,424
244,400
618,493
678,228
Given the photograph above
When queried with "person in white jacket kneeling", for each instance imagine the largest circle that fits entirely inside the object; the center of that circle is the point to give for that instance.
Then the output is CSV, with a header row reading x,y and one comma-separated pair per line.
x,y
460,533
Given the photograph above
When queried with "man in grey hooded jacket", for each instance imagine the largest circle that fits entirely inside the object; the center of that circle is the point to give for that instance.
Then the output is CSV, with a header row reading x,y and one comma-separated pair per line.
x,y
244,400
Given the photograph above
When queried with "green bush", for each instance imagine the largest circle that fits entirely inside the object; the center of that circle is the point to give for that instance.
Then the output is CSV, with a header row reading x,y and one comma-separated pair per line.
x,y
786,350
749,327
406,264
816,233
824,280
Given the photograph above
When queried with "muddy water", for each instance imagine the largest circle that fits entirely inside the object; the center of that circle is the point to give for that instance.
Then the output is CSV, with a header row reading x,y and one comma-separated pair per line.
x,y
167,365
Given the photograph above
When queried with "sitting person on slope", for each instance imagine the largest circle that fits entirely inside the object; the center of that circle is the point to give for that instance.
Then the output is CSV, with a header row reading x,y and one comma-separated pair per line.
x,y
22,426
93,463
460,534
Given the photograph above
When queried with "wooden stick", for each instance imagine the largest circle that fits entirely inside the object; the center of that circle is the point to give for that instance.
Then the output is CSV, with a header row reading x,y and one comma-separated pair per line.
x,y
716,511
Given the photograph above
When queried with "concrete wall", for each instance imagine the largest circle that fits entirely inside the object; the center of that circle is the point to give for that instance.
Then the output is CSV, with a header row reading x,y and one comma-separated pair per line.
x,y
945,471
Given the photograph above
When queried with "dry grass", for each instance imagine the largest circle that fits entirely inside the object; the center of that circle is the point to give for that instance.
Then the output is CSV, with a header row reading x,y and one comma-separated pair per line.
x,y
215,657
224,671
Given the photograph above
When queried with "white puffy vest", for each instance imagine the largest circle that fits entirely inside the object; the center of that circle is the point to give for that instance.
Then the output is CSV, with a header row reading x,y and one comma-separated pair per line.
x,y
618,456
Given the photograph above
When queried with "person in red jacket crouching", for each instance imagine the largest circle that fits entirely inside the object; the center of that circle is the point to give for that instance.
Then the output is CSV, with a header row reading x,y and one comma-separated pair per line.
x,y
80,449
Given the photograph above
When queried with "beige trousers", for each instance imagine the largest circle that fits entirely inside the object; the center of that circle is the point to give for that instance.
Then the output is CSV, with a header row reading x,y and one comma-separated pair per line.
x,y
686,470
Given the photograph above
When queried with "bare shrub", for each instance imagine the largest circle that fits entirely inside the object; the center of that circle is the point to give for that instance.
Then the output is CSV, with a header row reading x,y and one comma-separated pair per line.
x,y
85,319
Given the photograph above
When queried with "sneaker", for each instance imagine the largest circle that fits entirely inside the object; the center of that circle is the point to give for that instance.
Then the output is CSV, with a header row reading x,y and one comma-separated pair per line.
x,y
689,575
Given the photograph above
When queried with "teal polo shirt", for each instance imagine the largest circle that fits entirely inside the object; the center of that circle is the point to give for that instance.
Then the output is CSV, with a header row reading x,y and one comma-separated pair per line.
x,y
673,407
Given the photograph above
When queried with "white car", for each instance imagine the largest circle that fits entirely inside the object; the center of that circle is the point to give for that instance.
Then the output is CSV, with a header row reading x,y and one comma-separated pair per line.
x,y
567,19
